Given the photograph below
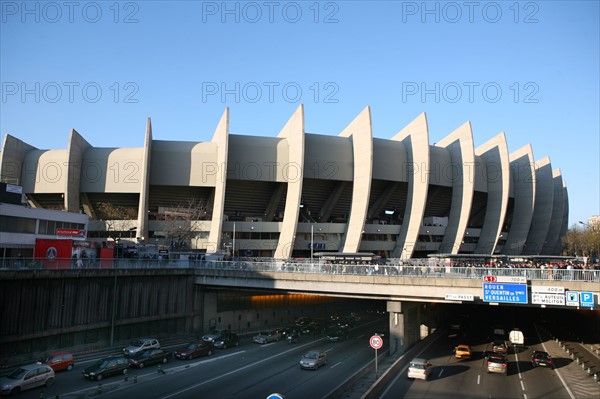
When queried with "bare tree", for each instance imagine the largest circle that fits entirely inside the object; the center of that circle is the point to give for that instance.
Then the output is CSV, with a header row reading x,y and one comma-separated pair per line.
x,y
183,221
116,219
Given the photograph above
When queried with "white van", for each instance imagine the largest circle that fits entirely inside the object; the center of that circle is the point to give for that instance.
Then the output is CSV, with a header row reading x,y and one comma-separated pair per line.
x,y
516,337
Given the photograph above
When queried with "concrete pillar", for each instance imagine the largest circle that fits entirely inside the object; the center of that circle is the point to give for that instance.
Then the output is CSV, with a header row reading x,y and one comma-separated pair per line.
x,y
396,338
404,325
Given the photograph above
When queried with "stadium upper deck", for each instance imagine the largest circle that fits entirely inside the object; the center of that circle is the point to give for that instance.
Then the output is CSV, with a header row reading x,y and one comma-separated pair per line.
x,y
283,196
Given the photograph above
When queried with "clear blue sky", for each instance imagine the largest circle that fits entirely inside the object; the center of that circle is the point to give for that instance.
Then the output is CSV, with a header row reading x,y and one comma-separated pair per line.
x,y
530,69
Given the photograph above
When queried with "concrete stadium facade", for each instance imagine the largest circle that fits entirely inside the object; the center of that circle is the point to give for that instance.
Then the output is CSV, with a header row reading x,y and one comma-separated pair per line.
x,y
289,195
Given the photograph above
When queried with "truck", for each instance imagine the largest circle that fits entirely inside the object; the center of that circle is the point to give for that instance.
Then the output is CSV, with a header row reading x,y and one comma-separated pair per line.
x,y
516,337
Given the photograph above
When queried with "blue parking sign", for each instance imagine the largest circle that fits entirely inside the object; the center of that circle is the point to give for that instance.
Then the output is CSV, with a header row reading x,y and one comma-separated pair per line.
x,y
587,299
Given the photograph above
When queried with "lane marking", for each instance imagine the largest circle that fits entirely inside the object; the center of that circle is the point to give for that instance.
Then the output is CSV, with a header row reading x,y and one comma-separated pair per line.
x,y
555,370
441,372
174,394
522,386
337,364
478,379
147,377
517,359
395,380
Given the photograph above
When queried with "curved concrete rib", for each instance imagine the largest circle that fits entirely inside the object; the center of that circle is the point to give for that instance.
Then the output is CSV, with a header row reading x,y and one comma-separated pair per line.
x,y
542,212
221,138
415,137
557,214
565,220
361,133
522,180
75,150
460,146
11,159
293,132
497,171
142,227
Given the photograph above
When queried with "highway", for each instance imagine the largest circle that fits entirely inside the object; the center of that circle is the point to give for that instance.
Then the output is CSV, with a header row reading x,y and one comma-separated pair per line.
x,y
464,378
247,371
256,371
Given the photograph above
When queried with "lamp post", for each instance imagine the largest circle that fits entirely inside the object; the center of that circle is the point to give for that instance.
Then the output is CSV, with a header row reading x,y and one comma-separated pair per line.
x,y
311,244
233,249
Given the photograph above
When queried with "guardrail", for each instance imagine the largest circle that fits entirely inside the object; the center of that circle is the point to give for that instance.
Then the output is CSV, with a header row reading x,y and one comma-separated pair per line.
x,y
314,267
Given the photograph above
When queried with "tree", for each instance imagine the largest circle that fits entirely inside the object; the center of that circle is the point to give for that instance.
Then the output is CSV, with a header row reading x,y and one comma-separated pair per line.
x,y
116,219
182,221
582,242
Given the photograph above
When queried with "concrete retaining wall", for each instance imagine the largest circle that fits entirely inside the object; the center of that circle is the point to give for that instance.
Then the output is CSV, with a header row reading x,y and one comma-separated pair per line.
x,y
84,309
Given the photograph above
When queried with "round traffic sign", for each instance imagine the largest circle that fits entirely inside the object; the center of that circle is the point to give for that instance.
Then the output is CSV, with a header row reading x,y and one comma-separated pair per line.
x,y
376,342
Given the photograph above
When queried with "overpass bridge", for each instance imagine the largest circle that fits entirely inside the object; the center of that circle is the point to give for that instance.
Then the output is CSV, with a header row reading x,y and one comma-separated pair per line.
x,y
86,306
407,288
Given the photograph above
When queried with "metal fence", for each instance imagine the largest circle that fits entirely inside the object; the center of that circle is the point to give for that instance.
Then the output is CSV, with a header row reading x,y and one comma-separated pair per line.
x,y
419,268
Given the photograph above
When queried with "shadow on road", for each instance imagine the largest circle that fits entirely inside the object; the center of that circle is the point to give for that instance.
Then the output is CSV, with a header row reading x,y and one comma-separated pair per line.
x,y
448,371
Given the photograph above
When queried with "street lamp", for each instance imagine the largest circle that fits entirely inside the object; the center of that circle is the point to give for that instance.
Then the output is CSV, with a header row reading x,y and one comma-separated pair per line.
x,y
311,244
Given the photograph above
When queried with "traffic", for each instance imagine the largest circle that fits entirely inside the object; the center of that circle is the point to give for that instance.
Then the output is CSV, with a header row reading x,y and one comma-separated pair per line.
x,y
497,353
478,352
255,366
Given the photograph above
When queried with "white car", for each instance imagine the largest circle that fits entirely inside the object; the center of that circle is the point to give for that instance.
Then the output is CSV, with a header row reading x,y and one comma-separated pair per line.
x,y
140,345
419,369
313,360
265,337
27,377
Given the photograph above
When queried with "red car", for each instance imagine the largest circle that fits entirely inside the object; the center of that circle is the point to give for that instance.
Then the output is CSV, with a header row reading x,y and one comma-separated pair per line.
x,y
60,361
195,349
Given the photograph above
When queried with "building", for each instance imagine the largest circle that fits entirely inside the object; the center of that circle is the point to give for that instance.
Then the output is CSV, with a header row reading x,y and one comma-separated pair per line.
x,y
594,222
21,225
288,195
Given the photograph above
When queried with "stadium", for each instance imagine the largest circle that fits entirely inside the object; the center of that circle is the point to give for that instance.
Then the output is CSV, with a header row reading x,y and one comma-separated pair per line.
x,y
287,196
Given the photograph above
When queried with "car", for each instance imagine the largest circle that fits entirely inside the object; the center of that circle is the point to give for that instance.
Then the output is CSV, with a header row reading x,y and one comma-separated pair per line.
x,y
302,321
462,352
293,337
213,335
226,340
455,325
345,322
106,367
290,329
419,368
499,347
140,345
499,331
265,337
337,334
496,363
27,377
60,361
148,357
540,358
195,349
313,360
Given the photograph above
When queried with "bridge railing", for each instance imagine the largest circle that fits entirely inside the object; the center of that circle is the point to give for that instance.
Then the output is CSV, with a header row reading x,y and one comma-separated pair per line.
x,y
315,267
423,271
